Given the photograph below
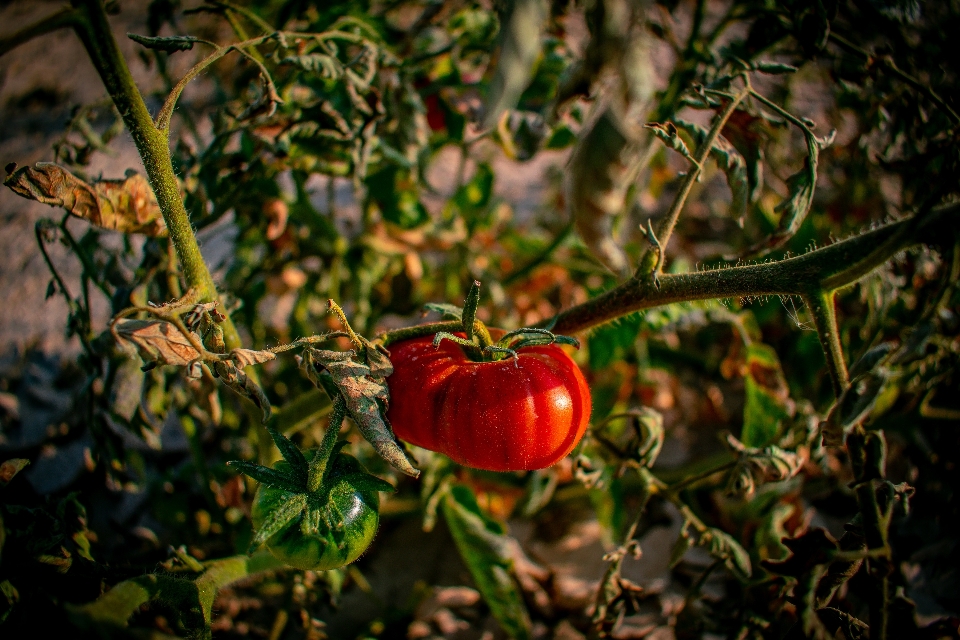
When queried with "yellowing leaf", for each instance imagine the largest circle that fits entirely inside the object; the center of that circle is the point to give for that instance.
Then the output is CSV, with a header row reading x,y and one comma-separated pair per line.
x,y
127,206
767,396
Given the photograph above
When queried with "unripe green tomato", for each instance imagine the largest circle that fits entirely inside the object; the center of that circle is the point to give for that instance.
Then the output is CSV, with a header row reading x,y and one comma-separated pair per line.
x,y
349,523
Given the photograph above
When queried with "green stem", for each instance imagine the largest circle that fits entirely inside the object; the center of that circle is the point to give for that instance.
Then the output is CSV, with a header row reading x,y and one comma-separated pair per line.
x,y
470,309
318,466
166,112
652,261
94,31
418,331
66,17
77,310
831,267
823,310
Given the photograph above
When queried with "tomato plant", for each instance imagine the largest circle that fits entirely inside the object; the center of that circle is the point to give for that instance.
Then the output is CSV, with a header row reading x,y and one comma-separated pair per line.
x,y
656,178
508,415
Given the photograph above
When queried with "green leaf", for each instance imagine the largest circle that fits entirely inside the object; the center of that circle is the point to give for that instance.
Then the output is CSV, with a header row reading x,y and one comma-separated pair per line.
x,y
10,598
608,343
853,406
474,196
561,138
758,466
870,359
767,396
394,190
722,546
484,548
731,162
268,476
170,44
734,166
191,601
291,454
668,134
683,544
793,210
448,311
320,63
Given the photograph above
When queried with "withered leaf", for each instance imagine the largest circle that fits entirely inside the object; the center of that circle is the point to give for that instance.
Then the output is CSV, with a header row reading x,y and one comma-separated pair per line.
x,y
668,134
769,464
243,384
127,206
365,393
248,357
157,341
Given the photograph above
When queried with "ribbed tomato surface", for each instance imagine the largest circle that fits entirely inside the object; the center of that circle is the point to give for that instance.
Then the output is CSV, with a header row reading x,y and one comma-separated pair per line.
x,y
488,415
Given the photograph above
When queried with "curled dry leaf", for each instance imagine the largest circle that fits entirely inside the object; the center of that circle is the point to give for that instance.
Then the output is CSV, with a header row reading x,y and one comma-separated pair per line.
x,y
276,212
758,466
127,205
248,357
157,341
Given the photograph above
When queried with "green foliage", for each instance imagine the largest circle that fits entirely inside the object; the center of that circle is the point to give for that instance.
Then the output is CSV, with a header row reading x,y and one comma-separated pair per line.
x,y
387,154
485,550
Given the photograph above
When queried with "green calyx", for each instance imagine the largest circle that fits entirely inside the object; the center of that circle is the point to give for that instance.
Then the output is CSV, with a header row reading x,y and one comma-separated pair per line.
x,y
309,483
478,343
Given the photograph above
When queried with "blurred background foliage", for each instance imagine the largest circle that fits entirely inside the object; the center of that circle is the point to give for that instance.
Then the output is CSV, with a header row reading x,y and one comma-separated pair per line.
x,y
418,145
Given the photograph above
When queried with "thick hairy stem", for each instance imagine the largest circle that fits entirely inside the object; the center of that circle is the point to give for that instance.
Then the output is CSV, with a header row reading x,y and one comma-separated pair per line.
x,y
823,309
94,31
829,268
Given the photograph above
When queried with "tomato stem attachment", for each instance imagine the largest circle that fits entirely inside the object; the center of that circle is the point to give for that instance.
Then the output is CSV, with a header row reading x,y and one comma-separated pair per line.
x,y
504,350
472,348
470,309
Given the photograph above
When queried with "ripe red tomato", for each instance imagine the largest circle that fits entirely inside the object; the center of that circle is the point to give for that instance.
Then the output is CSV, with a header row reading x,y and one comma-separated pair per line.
x,y
488,415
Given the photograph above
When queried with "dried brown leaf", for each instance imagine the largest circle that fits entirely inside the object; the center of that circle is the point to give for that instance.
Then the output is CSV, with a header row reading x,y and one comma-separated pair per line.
x,y
127,206
157,341
248,357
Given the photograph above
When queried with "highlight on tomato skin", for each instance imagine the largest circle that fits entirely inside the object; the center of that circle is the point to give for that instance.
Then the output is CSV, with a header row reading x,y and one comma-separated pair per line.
x,y
500,416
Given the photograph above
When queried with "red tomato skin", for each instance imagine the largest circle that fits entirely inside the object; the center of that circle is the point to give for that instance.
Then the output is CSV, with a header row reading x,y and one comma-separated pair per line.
x,y
488,415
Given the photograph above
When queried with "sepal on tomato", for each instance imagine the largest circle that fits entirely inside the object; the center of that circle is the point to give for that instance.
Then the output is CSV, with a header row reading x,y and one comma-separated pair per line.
x,y
291,453
276,520
267,476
